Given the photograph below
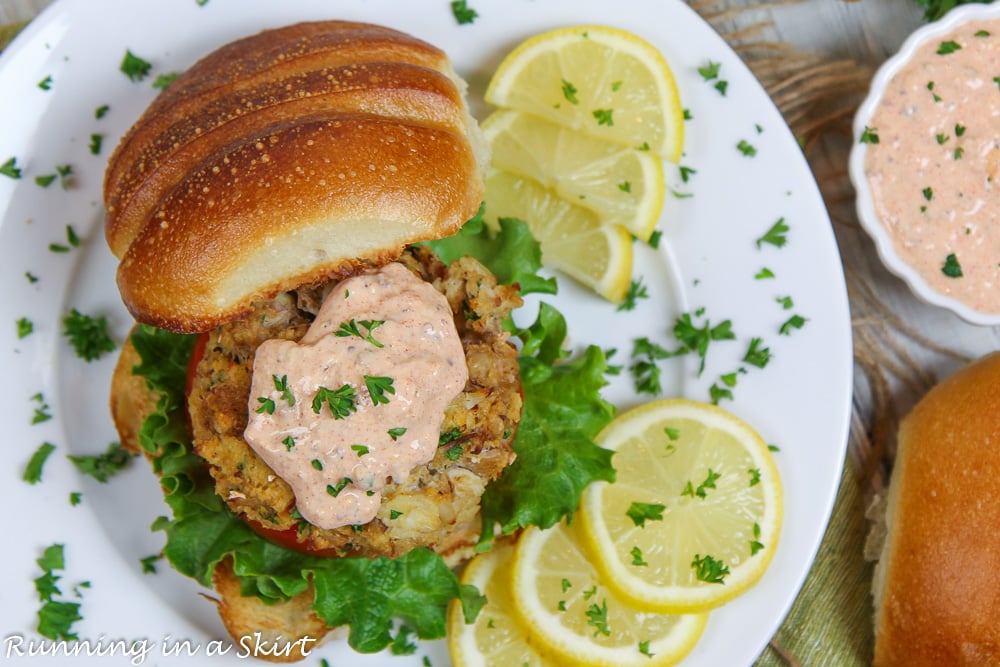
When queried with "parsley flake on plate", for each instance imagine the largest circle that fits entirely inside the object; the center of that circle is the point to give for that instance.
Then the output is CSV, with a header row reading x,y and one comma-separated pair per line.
x,y
463,14
88,335
134,67
33,471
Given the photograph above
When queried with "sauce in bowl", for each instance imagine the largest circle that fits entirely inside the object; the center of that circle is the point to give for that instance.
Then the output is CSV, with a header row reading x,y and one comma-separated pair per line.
x,y
932,163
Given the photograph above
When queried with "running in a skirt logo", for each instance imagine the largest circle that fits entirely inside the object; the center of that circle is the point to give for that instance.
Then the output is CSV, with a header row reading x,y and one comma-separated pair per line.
x,y
137,651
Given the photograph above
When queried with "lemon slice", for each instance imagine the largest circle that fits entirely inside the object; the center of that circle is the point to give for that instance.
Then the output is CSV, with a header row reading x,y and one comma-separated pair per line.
x,y
621,185
602,81
573,239
495,638
693,517
568,610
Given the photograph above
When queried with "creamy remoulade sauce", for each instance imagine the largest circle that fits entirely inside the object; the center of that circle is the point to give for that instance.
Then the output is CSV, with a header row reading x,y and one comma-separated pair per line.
x,y
390,327
933,173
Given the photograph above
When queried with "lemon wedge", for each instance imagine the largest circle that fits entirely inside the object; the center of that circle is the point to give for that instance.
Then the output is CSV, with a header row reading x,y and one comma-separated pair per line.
x,y
566,608
572,238
495,638
602,81
693,517
622,185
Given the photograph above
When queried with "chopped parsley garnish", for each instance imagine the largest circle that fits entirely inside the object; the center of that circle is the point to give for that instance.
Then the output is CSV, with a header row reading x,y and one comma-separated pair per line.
x,y
334,490
625,186
794,322
754,476
163,80
722,86
378,386
46,83
341,401
10,169
636,291
672,433
45,180
288,442
951,267
756,354
316,464
644,649
928,193
75,497
449,436
453,453
755,544
776,235
702,490
604,116
597,617
281,385
360,450
101,111
686,173
55,617
948,47
42,413
785,302
33,471
395,433
103,467
351,329
134,67
95,143
637,559
463,13
149,563
267,405
645,371
710,71
869,135
763,273
959,130
395,514
88,335
24,327
687,115
746,148
654,238
569,91
696,339
982,33
941,138
958,153
640,513
709,570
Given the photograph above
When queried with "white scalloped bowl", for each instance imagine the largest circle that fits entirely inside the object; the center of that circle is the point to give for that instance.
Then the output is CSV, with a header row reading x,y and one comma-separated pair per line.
x,y
864,202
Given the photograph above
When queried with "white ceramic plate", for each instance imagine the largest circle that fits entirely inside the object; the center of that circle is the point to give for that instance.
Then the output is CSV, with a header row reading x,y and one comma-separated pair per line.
x,y
708,260
865,202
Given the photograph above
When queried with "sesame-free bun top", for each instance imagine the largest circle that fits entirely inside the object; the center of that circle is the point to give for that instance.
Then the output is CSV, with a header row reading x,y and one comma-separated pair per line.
x,y
294,156
935,586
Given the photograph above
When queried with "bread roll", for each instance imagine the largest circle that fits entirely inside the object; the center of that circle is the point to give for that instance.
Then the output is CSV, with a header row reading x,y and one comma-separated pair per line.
x,y
294,156
936,593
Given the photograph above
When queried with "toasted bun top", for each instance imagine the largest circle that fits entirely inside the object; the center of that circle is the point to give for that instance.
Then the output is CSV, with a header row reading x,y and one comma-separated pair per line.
x,y
293,156
937,600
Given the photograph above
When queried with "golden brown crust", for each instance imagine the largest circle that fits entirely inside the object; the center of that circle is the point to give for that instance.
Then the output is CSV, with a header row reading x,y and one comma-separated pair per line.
x,y
936,598
289,157
285,632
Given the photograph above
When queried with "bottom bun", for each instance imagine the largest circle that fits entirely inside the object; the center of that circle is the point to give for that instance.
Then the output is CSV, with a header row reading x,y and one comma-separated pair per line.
x,y
935,592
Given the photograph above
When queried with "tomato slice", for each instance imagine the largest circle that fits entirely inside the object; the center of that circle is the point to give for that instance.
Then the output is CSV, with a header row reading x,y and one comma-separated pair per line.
x,y
289,538
197,352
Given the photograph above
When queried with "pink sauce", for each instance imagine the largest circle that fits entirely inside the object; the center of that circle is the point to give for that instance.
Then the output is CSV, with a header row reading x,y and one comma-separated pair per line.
x,y
933,173
391,327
